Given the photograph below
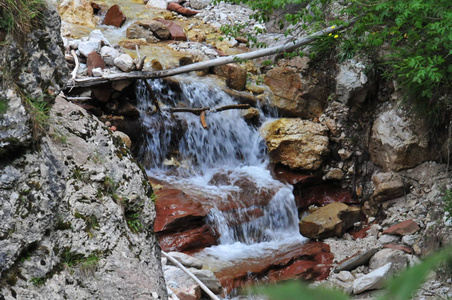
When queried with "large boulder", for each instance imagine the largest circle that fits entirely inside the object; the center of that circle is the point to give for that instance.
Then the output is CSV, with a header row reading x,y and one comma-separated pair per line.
x,y
80,205
114,16
398,141
136,31
296,143
331,220
234,74
372,281
294,95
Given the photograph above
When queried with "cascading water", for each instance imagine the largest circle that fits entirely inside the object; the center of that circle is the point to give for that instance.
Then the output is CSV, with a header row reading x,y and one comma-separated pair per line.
x,y
227,161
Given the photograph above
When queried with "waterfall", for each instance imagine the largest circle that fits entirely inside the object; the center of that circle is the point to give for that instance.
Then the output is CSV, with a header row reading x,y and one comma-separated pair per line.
x,y
227,161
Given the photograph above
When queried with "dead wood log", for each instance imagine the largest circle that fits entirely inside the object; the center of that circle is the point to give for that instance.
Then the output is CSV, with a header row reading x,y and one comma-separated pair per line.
x,y
195,111
235,106
296,43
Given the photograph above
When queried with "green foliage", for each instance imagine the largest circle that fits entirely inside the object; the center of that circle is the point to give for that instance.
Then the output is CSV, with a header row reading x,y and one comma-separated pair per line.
x,y
39,115
87,265
133,221
18,17
411,40
401,287
38,281
3,106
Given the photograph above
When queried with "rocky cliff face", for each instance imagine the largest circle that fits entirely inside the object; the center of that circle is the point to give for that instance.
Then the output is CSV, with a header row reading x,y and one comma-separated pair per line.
x,y
76,214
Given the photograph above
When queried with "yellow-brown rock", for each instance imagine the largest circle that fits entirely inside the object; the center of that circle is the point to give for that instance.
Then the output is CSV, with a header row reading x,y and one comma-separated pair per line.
x,y
77,12
296,143
294,95
331,220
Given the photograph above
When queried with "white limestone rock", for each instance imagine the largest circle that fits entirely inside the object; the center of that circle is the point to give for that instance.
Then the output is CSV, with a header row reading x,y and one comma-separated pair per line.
x,y
372,281
124,62
89,46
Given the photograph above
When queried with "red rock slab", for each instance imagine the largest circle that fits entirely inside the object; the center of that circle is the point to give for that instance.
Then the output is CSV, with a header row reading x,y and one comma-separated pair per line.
x,y
359,234
291,177
311,261
94,60
402,247
177,33
180,9
404,228
115,16
189,240
176,210
321,195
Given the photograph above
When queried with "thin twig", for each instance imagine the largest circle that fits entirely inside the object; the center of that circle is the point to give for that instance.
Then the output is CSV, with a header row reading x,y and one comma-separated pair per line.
x,y
202,285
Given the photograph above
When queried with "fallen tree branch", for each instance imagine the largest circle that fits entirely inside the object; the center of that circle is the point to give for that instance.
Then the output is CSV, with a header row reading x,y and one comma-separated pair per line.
x,y
195,111
202,285
235,106
90,81
72,80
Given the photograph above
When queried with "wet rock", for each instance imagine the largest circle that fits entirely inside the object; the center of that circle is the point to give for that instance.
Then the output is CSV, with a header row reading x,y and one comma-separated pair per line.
x,y
292,177
358,259
94,60
124,138
397,258
135,31
124,62
109,54
331,220
158,29
404,228
293,95
250,114
77,12
186,260
132,44
398,141
372,281
298,144
128,110
175,209
352,84
89,46
197,35
387,186
321,194
115,16
234,74
309,261
177,33
176,7
188,240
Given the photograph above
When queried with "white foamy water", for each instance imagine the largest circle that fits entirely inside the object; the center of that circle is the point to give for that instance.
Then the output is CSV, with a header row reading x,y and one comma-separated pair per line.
x,y
226,161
